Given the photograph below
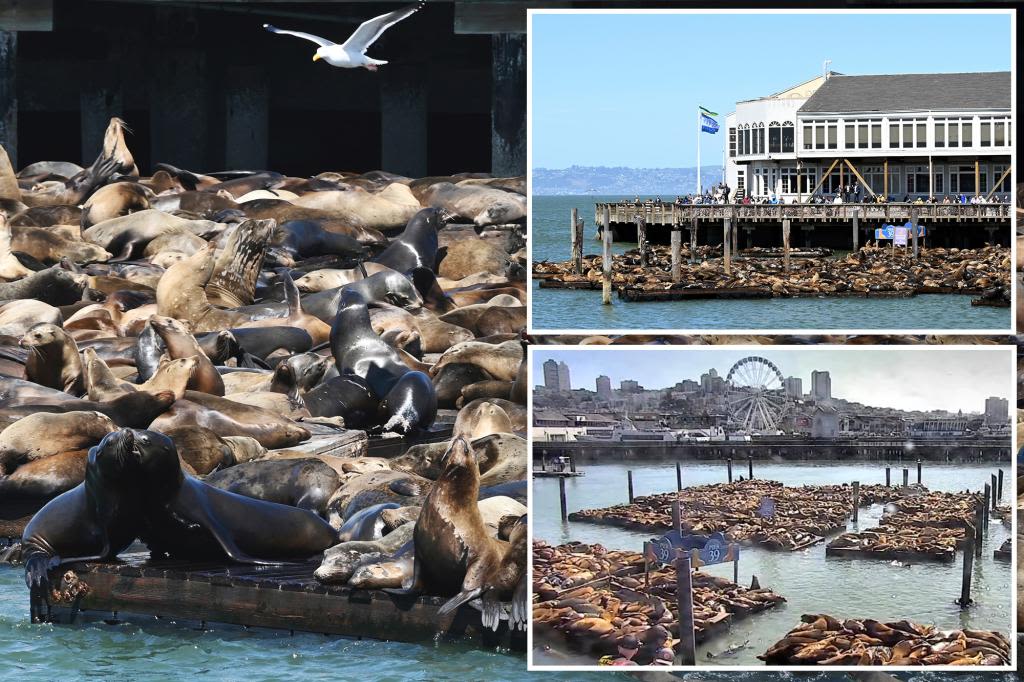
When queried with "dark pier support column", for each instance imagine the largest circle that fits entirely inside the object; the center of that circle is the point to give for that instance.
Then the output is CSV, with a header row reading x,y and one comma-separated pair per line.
x,y
9,95
403,124
246,113
178,92
98,105
508,104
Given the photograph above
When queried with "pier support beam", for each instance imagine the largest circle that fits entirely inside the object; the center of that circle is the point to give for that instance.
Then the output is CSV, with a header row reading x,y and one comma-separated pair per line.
x,y
606,260
9,95
856,229
561,498
785,245
965,583
641,238
679,477
247,116
677,238
856,499
684,601
693,241
576,240
629,483
726,242
403,120
508,104
913,229
98,105
178,91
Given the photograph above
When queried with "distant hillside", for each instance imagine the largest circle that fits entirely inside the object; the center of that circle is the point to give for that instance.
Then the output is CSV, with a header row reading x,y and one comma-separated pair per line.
x,y
621,180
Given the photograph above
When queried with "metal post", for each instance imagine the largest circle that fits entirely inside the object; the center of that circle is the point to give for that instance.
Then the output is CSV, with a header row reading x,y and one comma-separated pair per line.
x,y
856,499
750,467
629,479
606,261
887,484
679,476
735,565
677,239
561,498
729,466
979,514
965,583
576,238
785,244
993,498
856,229
999,490
919,471
984,521
913,229
725,245
684,599
677,517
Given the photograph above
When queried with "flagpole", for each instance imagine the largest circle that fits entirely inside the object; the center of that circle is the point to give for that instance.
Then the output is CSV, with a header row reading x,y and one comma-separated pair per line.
x,y
698,153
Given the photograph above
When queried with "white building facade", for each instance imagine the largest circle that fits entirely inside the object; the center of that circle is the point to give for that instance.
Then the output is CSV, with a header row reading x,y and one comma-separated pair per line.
x,y
915,135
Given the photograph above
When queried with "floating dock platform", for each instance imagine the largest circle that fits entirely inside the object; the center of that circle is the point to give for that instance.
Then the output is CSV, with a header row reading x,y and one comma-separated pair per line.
x,y
279,597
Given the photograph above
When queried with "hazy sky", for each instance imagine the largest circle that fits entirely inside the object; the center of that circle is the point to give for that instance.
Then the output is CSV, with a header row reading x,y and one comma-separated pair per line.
x,y
912,379
623,90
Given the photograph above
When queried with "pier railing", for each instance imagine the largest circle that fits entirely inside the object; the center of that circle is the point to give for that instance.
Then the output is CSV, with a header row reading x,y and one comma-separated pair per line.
x,y
667,213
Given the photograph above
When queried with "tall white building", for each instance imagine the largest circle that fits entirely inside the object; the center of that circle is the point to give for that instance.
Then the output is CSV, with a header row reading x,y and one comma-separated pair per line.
x,y
905,134
794,387
821,385
604,387
563,377
997,411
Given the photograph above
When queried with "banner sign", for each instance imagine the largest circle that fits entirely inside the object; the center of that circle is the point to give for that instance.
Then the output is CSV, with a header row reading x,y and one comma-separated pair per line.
x,y
889,231
704,550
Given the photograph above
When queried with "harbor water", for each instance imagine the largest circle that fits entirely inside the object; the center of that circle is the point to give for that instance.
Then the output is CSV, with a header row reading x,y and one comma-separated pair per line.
x,y
582,309
811,583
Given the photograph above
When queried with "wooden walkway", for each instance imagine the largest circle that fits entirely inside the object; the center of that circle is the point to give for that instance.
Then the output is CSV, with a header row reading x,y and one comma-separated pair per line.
x,y
280,597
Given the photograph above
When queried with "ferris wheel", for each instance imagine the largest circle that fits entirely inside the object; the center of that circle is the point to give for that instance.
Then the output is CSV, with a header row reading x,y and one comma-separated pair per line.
x,y
756,399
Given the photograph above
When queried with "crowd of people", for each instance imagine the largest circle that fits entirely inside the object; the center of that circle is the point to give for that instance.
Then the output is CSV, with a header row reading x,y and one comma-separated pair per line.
x,y
847,194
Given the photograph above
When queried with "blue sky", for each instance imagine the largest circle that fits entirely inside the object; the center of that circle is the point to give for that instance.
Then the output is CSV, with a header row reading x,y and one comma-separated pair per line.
x,y
910,379
622,90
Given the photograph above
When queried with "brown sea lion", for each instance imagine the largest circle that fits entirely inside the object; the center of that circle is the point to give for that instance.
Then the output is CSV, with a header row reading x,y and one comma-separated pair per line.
x,y
201,448
53,359
501,361
481,418
304,483
181,344
42,435
113,201
229,418
42,479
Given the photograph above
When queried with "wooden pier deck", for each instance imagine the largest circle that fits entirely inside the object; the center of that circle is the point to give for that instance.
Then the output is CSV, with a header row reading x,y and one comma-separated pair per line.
x,y
671,214
280,597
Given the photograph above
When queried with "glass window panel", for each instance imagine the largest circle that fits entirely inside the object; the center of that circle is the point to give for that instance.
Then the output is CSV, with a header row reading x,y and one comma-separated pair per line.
x,y
788,133
940,134
831,136
922,135
954,134
1000,136
876,135
894,134
850,131
774,140
986,133
966,132
862,136
808,141
908,135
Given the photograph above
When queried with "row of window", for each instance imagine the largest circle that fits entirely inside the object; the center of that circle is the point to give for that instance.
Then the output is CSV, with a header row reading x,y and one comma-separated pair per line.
x,y
949,132
960,179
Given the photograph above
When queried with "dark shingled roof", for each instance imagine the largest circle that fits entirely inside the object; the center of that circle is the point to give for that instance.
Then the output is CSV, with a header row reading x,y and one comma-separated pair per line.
x,y
916,91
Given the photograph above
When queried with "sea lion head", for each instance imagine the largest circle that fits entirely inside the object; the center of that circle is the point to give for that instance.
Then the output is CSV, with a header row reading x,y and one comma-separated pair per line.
x,y
458,456
42,334
171,325
113,458
303,371
158,463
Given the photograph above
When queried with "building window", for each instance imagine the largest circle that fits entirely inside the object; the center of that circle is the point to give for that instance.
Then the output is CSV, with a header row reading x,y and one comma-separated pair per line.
x,y
862,136
876,135
745,147
997,172
894,135
922,135
808,137
954,135
759,139
831,129
986,132
917,179
774,138
1001,133
732,142
961,179
873,176
940,133
908,135
851,132
937,174
966,132
895,182
808,179
788,137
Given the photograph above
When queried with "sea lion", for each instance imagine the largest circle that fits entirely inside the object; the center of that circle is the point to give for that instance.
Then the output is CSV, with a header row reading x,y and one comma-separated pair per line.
x,y
416,246
53,358
95,520
366,524
230,418
54,285
383,210
186,518
10,267
390,573
17,317
375,487
42,435
452,378
454,552
180,343
135,410
128,236
113,201
481,205
201,448
305,238
486,389
333,278
42,479
303,483
481,418
341,560
48,246
501,361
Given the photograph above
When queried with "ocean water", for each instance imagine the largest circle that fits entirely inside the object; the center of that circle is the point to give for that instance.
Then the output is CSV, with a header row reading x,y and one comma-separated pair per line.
x,y
569,309
810,581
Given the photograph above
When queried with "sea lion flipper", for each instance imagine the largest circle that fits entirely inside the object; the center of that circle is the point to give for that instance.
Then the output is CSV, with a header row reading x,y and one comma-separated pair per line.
x,y
458,600
406,487
195,509
520,598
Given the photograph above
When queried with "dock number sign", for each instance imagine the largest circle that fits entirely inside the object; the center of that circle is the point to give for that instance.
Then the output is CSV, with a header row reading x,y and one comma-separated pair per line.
x,y
767,508
715,551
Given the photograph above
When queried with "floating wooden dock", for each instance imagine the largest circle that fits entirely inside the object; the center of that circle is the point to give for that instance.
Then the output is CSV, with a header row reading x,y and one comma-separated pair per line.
x,y
540,473
280,597
946,556
1004,552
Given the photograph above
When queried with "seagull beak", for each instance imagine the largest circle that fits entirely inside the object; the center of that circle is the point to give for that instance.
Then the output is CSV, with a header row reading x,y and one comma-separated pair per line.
x,y
316,57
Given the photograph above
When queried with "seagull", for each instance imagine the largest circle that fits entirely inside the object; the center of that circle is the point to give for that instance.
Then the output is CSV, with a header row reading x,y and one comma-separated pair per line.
x,y
352,53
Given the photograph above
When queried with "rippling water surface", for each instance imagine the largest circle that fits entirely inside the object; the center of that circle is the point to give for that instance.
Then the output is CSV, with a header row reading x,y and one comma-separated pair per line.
x,y
568,309
810,582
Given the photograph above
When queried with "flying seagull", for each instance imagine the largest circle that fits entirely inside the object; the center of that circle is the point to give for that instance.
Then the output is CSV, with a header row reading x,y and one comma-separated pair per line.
x,y
352,53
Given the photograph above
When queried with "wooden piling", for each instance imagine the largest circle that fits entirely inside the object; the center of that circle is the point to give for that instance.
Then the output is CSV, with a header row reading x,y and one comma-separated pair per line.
x,y
965,582
979,531
684,599
572,463
984,521
677,517
887,484
561,498
913,229
629,479
641,238
677,238
734,230
576,238
999,490
856,499
606,260
679,476
726,227
919,471
856,229
728,464
693,240
785,244
906,477
750,467
992,500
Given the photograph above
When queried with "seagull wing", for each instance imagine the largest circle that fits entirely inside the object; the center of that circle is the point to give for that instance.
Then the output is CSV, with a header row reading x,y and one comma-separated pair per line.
x,y
369,31
322,42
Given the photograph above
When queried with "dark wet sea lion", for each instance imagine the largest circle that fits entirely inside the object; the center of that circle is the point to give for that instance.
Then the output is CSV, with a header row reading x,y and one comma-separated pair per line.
x,y
53,285
53,359
229,418
262,341
375,487
305,238
303,483
434,297
366,524
186,518
384,287
449,382
344,396
454,552
302,372
93,521
417,245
